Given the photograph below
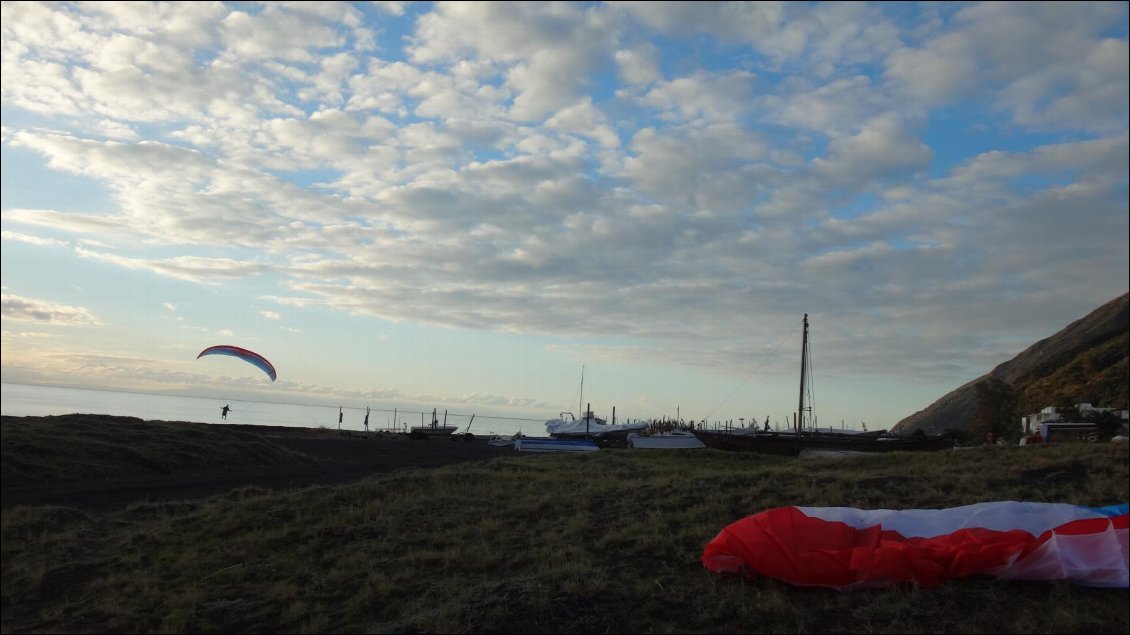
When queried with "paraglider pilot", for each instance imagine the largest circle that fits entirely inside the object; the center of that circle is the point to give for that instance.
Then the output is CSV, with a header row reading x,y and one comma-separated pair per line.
x,y
224,411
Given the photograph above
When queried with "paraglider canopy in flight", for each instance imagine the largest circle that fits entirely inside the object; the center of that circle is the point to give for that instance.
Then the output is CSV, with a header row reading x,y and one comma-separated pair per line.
x,y
242,353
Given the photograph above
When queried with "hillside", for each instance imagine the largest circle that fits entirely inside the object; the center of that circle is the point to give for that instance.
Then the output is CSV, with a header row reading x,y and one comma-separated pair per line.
x,y
1085,362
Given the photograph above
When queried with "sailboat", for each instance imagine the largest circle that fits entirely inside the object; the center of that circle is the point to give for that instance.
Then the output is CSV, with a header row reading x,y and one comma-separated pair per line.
x,y
591,427
805,435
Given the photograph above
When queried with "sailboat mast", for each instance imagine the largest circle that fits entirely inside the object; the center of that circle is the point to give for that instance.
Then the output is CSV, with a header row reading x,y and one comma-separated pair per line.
x,y
803,361
581,399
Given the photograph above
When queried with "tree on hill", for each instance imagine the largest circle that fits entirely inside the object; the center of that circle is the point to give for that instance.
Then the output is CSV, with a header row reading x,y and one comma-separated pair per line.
x,y
1066,410
1108,423
996,411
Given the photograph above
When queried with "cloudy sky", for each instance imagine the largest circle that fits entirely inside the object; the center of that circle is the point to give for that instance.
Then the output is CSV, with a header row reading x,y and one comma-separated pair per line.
x,y
461,205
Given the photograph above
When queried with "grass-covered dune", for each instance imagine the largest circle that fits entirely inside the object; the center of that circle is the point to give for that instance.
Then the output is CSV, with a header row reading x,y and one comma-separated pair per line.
x,y
604,542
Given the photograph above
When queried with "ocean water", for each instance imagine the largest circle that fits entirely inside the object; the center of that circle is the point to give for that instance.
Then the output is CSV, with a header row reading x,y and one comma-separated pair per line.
x,y
22,400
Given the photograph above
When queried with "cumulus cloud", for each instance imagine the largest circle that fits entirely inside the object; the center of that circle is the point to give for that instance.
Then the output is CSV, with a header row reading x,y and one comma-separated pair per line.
x,y
546,54
24,309
838,107
639,65
674,174
32,240
882,149
28,334
204,270
702,97
1047,64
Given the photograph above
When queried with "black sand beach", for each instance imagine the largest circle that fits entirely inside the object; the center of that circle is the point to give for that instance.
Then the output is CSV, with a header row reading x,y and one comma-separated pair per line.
x,y
326,457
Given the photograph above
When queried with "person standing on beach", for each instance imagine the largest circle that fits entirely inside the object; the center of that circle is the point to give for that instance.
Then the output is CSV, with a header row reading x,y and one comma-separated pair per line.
x,y
339,417
224,411
366,419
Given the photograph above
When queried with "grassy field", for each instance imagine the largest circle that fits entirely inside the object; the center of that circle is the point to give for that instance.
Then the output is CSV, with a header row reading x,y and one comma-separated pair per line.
x,y
604,542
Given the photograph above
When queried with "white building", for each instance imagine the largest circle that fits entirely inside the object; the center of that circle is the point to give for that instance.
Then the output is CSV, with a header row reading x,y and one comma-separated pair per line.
x,y
1049,423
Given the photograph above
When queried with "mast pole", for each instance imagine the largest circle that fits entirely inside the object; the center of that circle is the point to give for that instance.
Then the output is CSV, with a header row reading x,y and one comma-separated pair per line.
x,y
803,360
581,398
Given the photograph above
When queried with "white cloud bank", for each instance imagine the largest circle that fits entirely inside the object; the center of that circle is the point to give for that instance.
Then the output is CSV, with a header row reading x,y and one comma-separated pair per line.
x,y
673,177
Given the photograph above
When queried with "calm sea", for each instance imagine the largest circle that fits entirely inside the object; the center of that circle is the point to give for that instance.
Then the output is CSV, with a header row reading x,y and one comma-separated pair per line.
x,y
22,400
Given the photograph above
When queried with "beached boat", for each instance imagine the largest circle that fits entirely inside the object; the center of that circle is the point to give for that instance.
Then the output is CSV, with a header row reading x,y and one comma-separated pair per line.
x,y
677,440
792,444
433,430
542,444
803,437
592,427
501,440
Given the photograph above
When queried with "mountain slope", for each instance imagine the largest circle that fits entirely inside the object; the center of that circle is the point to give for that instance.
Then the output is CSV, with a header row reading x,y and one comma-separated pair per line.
x,y
1085,362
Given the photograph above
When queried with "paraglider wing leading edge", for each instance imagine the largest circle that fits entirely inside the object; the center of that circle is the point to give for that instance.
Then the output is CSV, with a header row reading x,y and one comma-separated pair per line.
x,y
244,354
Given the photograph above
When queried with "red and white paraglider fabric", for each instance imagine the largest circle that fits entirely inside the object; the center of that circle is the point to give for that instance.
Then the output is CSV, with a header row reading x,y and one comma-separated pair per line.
x,y
842,547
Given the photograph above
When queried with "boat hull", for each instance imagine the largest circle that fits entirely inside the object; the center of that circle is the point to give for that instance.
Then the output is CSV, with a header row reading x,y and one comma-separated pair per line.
x,y
791,445
677,441
604,440
606,436
424,432
554,445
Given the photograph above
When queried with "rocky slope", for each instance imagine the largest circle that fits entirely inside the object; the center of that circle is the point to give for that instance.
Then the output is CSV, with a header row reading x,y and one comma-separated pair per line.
x,y
1085,362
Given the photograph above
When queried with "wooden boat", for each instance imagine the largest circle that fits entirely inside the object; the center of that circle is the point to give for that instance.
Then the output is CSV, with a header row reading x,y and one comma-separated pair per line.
x,y
434,430
791,444
810,438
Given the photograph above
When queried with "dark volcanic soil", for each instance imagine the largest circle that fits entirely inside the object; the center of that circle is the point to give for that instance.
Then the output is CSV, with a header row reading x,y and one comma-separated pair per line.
x,y
329,458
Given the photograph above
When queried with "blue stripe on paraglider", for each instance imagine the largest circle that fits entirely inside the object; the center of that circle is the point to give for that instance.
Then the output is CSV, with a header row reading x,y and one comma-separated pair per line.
x,y
1111,510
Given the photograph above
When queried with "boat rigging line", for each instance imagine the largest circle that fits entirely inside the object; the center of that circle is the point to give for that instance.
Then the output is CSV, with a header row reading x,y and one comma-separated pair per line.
x,y
764,361
810,398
